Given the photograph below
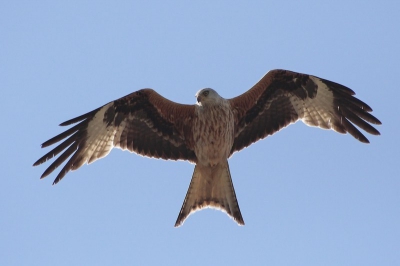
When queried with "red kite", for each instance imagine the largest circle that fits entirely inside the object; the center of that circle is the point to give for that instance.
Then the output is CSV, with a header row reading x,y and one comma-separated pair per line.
x,y
210,131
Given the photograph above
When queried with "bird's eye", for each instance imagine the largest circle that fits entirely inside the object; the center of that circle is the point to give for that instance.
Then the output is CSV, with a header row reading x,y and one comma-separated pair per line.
x,y
205,93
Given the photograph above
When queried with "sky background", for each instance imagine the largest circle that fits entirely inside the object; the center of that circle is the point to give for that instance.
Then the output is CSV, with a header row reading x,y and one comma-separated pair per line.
x,y
308,196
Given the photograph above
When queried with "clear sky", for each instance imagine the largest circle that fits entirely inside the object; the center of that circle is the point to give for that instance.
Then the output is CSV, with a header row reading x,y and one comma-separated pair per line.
x,y
308,196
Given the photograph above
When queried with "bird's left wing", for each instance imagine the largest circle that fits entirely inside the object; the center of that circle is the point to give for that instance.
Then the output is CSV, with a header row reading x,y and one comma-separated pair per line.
x,y
282,97
143,122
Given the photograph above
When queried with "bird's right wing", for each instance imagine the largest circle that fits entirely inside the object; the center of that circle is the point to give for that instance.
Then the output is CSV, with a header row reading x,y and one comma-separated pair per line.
x,y
143,122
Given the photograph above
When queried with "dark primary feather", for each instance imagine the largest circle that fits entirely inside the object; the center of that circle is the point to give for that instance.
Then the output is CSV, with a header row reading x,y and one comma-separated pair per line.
x,y
77,132
269,106
141,122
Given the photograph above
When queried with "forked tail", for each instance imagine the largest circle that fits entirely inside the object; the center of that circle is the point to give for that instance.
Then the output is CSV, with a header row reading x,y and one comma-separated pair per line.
x,y
211,187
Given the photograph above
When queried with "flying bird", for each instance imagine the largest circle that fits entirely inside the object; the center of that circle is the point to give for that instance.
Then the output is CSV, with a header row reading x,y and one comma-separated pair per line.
x,y
209,132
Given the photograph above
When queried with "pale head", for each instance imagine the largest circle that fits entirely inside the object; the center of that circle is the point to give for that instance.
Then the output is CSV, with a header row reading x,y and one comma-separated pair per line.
x,y
207,95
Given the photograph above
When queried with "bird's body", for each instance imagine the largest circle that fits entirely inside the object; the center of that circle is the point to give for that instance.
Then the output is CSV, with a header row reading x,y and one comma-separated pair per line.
x,y
209,132
214,129
213,135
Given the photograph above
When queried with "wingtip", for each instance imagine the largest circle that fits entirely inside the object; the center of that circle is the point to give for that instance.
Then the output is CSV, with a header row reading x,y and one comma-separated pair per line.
x,y
47,143
58,178
378,122
44,175
364,140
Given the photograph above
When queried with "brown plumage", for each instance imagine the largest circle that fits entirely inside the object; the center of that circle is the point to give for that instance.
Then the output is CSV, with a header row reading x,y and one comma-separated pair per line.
x,y
209,132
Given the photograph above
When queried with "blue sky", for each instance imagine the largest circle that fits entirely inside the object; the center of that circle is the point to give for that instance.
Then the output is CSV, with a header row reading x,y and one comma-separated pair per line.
x,y
308,196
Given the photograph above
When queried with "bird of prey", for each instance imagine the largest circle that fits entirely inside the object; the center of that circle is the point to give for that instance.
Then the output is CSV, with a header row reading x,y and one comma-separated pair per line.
x,y
209,132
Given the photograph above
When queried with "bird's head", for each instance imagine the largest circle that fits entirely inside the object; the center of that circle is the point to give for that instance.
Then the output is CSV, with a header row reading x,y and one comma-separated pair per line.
x,y
206,96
